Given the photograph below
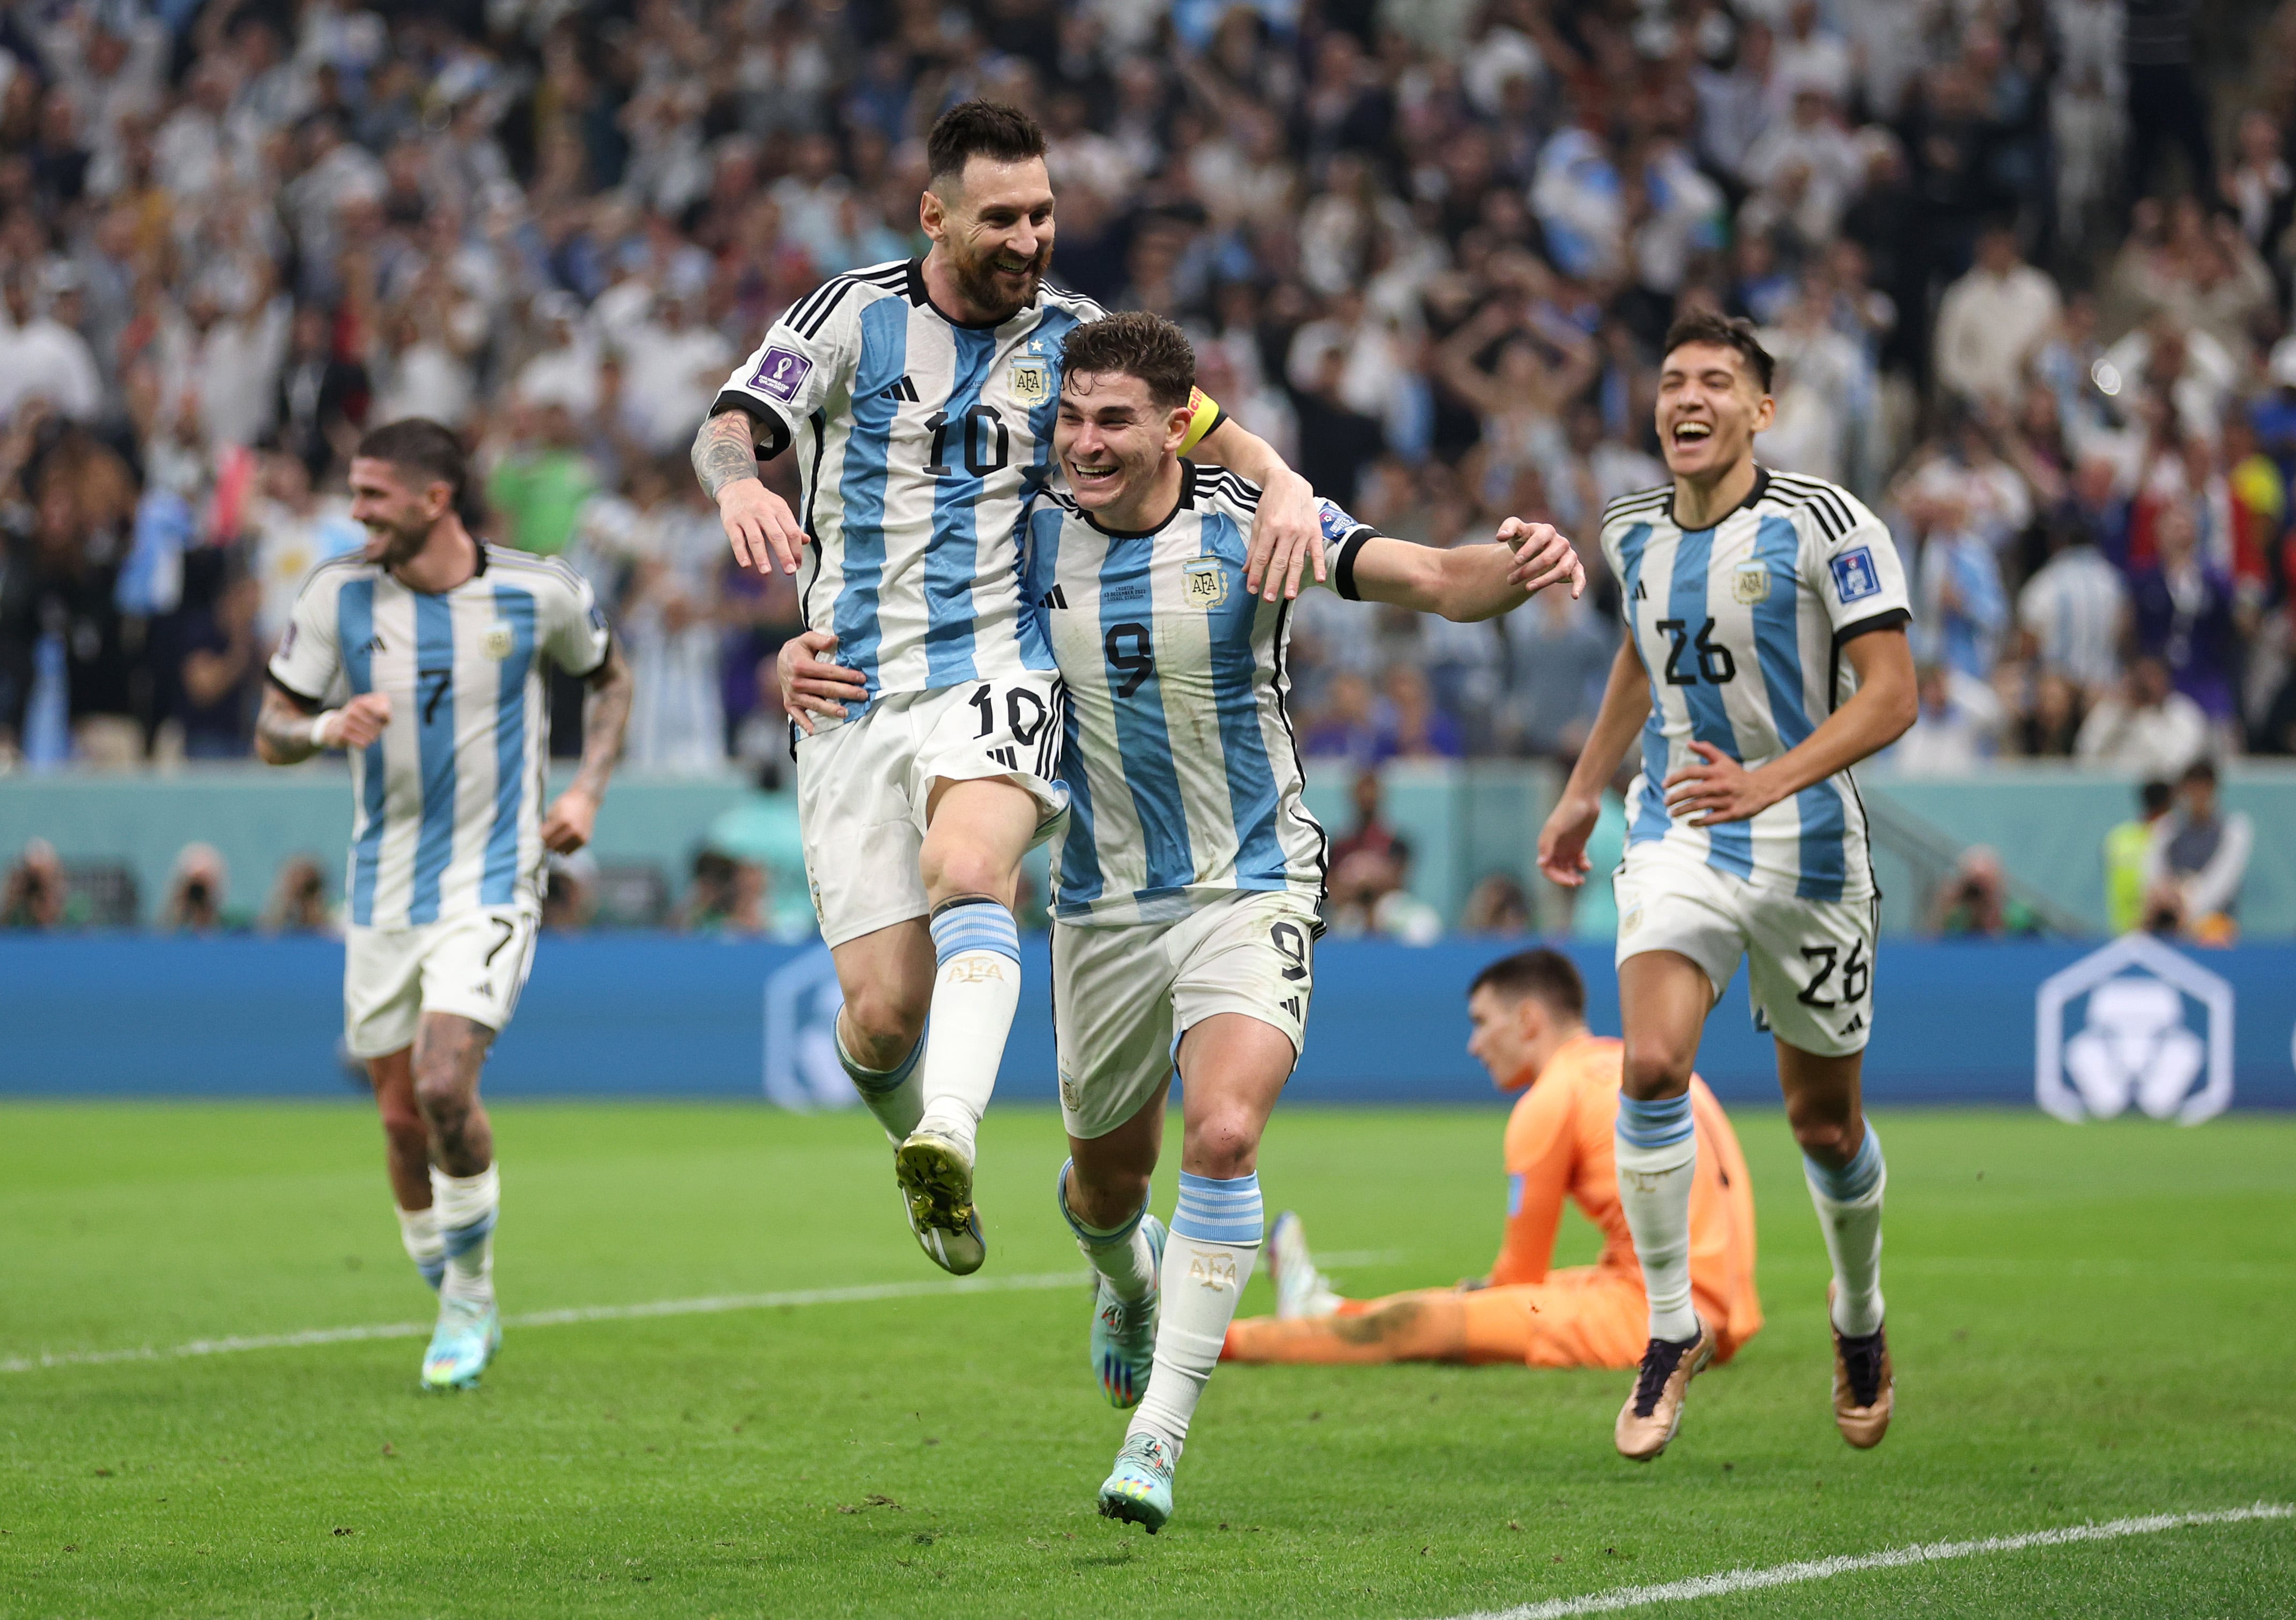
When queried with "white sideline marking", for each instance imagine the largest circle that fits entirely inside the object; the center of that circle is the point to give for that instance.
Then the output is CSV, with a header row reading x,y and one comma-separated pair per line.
x,y
711,1305
1822,1569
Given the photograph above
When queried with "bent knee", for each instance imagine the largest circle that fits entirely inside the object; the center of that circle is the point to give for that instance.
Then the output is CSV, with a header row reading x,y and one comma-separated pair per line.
x,y
1656,1068
886,1017
1224,1147
1830,1140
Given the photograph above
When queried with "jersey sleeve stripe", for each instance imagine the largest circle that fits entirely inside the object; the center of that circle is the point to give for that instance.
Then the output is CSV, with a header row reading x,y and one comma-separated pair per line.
x,y
817,317
1889,619
1833,515
1343,577
777,437
310,704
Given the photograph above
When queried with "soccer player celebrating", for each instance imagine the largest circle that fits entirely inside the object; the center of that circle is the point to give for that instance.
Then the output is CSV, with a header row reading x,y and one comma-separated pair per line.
x,y
1765,653
1186,887
438,643
920,398
1528,1013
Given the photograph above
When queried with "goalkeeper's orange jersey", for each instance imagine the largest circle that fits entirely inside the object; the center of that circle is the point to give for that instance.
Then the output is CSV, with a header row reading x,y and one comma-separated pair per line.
x,y
1559,1146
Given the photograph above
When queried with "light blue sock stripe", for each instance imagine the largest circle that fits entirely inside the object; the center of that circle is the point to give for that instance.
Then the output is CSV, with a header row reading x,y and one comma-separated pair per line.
x,y
1660,1122
876,1081
984,926
1213,1210
1854,1179
1092,1234
460,1240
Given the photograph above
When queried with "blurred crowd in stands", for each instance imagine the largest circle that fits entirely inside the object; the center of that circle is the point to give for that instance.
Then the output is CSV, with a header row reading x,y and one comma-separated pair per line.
x,y
2026,264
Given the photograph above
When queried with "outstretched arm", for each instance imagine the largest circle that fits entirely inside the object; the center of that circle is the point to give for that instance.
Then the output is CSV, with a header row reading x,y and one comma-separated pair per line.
x,y
759,526
1466,582
605,719
1718,788
1287,533
1626,705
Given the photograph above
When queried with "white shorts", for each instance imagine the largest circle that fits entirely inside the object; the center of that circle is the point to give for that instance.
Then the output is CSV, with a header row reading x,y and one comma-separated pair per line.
x,y
1122,996
1809,963
472,966
863,785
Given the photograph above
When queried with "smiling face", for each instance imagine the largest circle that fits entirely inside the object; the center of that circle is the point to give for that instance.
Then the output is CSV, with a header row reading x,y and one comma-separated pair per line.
x,y
398,506
1114,443
994,225
1709,407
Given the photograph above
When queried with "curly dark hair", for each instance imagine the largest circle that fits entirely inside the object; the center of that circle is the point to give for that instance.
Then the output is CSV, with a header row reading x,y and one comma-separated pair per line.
x,y
1705,327
429,449
1139,345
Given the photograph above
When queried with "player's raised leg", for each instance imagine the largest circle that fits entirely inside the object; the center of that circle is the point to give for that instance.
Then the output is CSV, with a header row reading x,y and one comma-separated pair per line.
x,y
407,1160
1233,1068
449,1051
1663,999
1841,1161
976,833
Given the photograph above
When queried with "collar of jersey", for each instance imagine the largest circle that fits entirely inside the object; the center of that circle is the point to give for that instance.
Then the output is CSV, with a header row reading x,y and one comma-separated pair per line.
x,y
1761,487
1187,500
480,572
922,298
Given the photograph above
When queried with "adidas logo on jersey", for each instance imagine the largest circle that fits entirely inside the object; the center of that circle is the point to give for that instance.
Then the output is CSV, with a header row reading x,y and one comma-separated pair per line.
x,y
1053,598
1642,592
373,645
902,390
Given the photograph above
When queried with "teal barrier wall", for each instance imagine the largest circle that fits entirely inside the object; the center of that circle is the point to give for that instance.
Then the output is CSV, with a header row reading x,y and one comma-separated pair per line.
x,y
1464,820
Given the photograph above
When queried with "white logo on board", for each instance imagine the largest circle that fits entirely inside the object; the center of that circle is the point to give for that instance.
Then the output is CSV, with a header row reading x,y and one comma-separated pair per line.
x,y
802,999
2135,1022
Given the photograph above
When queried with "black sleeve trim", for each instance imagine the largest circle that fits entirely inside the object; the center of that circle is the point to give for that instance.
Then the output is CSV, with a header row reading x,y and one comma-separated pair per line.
x,y
1895,618
1219,417
777,435
309,704
1343,577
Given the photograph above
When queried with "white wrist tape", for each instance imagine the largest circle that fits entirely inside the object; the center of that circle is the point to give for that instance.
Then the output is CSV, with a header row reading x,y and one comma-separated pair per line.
x,y
319,738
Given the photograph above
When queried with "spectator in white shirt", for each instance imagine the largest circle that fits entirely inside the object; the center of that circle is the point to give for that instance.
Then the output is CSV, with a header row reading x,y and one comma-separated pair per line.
x,y
2073,606
41,358
2148,728
671,367
1991,320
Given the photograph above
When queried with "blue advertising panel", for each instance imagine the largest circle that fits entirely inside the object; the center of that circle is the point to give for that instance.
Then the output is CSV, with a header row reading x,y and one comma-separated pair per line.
x,y
2084,1031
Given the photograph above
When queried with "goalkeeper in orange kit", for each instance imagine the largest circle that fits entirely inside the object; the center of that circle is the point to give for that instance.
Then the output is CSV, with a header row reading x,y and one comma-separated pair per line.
x,y
1529,1012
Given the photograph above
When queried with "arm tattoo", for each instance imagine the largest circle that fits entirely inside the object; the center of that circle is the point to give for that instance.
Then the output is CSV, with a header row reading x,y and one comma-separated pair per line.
x,y
724,451
605,718
283,732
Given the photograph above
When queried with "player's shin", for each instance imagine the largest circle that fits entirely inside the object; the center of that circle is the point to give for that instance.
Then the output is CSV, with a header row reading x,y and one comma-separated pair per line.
x,y
426,1246
466,1207
976,989
1848,1201
895,1095
1216,1232
1656,1158
1122,1255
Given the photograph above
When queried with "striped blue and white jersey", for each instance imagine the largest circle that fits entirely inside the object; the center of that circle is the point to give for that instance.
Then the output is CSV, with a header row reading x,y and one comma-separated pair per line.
x,y
918,440
1741,627
447,803
1184,775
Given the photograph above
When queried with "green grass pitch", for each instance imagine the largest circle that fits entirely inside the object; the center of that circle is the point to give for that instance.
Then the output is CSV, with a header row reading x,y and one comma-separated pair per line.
x,y
2089,1324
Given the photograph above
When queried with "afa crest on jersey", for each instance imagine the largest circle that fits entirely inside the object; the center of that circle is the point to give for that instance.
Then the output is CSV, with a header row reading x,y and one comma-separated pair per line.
x,y
1031,381
498,642
1749,582
1206,582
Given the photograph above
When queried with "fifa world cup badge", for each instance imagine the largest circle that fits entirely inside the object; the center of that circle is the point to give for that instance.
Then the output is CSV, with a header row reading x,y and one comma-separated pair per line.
x,y
1032,381
497,643
1751,583
1206,582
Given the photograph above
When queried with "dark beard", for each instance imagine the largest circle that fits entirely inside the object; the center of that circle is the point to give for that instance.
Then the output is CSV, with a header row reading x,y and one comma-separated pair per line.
x,y
403,547
978,282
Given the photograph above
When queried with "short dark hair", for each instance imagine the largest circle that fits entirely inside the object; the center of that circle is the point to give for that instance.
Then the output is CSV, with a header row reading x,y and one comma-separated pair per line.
x,y
979,129
431,451
2202,770
2156,796
1139,345
1705,327
1540,971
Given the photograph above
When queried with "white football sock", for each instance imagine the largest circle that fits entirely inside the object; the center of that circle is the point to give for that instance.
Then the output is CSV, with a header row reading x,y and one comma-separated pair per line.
x,y
1657,1160
1121,1256
1215,1233
976,989
418,1231
466,1207
893,1095
1850,1212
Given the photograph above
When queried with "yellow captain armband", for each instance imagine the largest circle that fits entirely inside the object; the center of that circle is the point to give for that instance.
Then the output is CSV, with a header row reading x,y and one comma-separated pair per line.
x,y
1204,414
